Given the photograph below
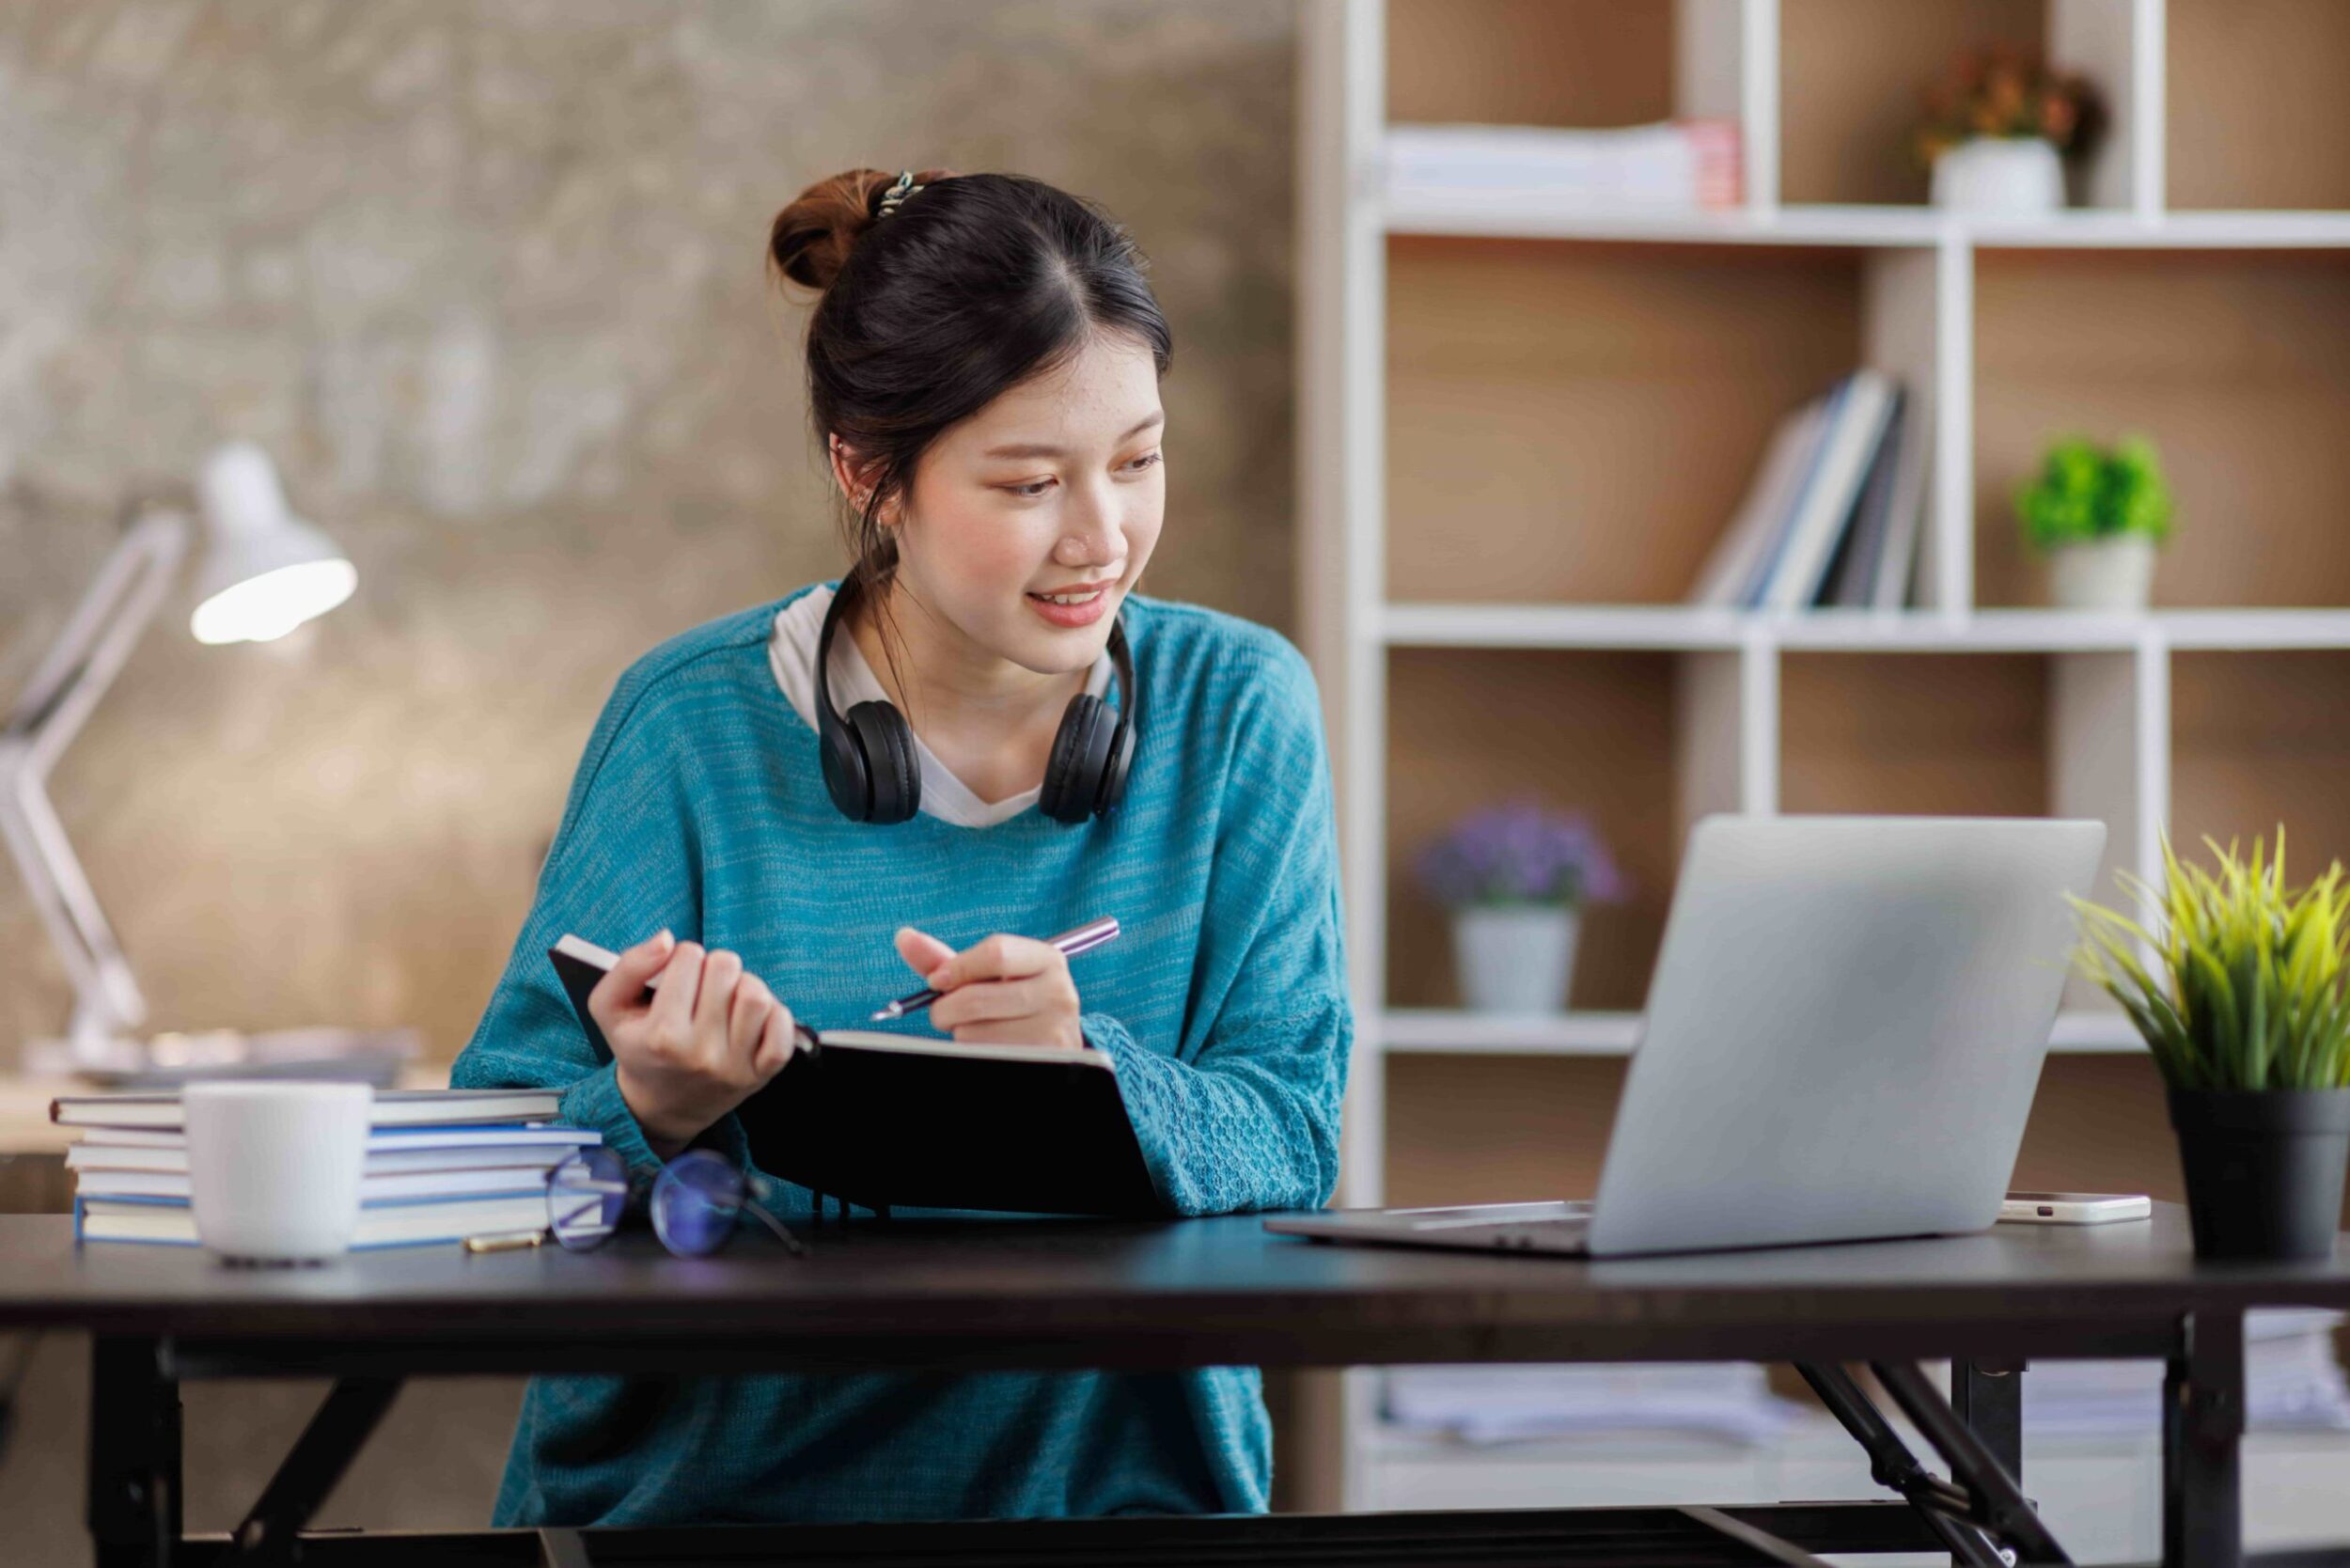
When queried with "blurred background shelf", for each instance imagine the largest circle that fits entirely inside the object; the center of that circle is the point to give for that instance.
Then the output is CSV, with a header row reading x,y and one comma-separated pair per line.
x,y
1481,215
1447,1031
1524,426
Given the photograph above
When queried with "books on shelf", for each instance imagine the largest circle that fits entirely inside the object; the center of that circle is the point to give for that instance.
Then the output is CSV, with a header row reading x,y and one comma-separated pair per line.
x,y
1682,166
1731,1401
1832,514
441,1165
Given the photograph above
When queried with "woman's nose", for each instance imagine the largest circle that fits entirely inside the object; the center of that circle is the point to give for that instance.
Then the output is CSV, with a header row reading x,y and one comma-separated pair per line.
x,y
1097,547
1092,537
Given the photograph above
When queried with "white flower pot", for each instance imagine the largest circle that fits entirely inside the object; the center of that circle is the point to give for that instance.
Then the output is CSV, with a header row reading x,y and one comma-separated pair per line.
x,y
2015,176
2115,573
1514,957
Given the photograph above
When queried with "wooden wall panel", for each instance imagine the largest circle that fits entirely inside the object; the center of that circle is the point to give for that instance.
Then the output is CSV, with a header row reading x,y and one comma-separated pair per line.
x,y
2259,739
1531,62
2257,114
1497,1129
1935,734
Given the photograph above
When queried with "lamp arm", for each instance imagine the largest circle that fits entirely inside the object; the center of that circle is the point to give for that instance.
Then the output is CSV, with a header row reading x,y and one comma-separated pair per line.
x,y
98,638
65,687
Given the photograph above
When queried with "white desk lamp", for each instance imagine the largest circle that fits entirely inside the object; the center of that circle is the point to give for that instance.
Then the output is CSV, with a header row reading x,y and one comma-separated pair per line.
x,y
265,573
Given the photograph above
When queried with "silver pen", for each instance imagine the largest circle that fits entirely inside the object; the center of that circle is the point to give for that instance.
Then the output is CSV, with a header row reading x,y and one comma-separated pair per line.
x,y
1084,939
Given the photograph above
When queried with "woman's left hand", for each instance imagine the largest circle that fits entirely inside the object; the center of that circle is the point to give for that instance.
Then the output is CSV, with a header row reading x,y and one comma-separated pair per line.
x,y
1003,991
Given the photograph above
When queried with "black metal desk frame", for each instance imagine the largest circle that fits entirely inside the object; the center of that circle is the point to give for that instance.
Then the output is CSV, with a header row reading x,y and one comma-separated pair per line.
x,y
135,1516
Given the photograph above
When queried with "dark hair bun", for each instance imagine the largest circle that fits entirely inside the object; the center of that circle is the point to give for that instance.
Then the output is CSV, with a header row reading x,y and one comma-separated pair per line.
x,y
814,236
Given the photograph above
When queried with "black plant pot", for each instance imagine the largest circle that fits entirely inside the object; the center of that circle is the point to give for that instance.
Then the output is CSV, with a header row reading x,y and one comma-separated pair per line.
x,y
2264,1169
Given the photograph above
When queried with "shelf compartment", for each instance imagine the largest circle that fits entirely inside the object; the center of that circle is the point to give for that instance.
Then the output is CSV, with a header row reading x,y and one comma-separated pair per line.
x,y
1853,88
1531,62
2257,117
1641,742
1994,631
1980,734
1850,87
1576,422
1438,1031
2235,362
1914,734
2257,740
1497,1129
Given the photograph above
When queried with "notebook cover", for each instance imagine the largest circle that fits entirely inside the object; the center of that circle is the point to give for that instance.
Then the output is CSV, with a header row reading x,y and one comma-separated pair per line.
x,y
890,1129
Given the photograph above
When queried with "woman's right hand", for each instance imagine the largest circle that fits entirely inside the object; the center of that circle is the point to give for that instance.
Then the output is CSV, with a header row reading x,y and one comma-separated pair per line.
x,y
698,1047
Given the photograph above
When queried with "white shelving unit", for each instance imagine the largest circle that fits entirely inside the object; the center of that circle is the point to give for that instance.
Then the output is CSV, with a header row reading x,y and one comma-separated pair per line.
x,y
1430,587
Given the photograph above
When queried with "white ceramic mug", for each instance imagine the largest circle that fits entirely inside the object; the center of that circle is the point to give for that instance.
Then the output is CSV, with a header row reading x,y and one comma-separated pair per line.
x,y
274,1166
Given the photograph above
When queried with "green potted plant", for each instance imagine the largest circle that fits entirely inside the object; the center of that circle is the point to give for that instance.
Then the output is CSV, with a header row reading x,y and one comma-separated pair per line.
x,y
2248,1020
1517,878
2097,514
1997,128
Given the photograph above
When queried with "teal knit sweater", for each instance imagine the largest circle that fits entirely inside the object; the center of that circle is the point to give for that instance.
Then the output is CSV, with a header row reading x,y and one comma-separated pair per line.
x,y
699,805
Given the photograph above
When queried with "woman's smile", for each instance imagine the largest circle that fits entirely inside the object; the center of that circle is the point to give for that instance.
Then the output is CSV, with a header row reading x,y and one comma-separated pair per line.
x,y
1073,609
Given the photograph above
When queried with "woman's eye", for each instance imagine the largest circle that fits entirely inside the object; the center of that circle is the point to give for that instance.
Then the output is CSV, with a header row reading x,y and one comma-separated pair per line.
x,y
1028,491
1145,461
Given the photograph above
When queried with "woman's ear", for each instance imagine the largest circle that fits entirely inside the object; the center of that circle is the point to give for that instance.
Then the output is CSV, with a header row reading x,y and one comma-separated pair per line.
x,y
845,470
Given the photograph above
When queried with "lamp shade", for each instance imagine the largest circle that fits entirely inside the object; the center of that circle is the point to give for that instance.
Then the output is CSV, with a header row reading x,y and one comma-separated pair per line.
x,y
265,570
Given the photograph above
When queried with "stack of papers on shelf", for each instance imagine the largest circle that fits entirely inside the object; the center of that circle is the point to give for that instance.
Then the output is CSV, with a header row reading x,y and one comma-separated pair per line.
x,y
1684,165
1731,1401
2292,1380
442,1165
1834,511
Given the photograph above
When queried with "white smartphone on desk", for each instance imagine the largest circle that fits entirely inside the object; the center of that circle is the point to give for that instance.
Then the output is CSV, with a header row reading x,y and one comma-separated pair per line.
x,y
2074,1208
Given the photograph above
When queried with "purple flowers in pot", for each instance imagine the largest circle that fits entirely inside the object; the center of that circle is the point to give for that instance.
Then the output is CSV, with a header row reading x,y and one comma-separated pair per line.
x,y
1519,854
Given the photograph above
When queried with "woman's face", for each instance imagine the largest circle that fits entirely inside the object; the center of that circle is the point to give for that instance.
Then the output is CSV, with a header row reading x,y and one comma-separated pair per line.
x,y
1056,488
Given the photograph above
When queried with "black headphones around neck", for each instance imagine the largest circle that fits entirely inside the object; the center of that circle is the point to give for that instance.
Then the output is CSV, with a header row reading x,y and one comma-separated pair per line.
x,y
873,775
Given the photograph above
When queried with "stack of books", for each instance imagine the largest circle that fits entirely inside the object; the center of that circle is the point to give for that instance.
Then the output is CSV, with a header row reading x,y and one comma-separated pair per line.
x,y
2293,1381
1833,514
1729,1401
442,1165
1683,166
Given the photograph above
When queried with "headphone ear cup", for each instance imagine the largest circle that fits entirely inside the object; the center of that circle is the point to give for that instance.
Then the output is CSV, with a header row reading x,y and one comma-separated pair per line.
x,y
1114,770
847,779
896,790
1072,779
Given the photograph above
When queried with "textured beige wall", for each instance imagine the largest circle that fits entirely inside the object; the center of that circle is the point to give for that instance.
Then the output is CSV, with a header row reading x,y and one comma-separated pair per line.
x,y
486,279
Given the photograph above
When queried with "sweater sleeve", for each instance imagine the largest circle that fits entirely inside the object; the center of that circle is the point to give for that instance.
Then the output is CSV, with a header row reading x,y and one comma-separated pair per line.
x,y
623,864
1245,1114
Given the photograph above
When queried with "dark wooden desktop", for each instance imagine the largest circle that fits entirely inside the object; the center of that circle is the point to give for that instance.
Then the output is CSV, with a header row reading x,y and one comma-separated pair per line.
x,y
1046,1293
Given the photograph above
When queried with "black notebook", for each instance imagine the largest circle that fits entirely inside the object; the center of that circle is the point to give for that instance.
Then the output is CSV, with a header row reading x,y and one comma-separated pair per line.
x,y
905,1121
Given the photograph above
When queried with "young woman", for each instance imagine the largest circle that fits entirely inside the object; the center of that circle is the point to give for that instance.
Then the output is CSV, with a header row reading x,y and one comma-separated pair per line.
x,y
984,369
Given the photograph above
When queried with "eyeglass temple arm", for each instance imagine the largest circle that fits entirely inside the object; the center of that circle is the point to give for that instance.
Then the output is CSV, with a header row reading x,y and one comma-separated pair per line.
x,y
791,1243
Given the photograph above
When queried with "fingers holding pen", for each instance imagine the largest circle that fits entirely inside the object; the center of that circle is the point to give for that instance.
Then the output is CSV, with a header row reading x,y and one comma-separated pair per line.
x,y
1004,989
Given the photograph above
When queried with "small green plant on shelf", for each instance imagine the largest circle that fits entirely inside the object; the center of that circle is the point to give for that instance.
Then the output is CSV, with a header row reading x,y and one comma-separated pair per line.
x,y
2245,1010
2097,514
1998,127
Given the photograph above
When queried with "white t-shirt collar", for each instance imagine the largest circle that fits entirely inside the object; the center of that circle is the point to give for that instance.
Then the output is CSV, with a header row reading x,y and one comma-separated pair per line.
x,y
792,654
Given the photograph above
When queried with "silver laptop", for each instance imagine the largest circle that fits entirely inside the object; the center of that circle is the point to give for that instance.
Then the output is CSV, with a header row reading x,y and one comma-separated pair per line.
x,y
1843,1038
